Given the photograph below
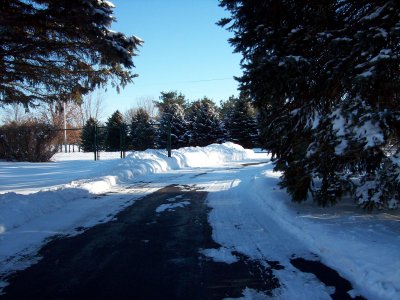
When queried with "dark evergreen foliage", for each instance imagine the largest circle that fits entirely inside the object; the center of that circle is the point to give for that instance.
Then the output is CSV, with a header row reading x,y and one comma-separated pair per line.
x,y
172,111
240,122
173,114
169,98
142,132
325,77
116,132
205,126
88,136
58,50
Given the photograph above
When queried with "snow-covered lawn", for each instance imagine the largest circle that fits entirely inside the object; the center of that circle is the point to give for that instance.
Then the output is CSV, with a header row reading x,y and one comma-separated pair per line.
x,y
25,178
250,214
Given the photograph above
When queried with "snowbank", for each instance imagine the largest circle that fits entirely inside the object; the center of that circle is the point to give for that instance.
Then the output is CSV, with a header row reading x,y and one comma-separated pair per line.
x,y
16,209
156,161
212,155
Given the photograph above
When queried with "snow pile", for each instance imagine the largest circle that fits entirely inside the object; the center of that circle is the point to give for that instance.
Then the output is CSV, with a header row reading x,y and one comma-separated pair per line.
x,y
16,209
212,155
156,161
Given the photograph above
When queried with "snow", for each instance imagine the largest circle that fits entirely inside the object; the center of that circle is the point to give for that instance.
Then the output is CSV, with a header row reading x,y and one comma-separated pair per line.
x,y
100,12
381,33
316,121
138,39
23,177
106,3
295,30
220,255
297,58
250,294
383,54
366,74
255,218
339,127
341,147
249,214
171,206
339,123
363,191
375,13
342,39
371,133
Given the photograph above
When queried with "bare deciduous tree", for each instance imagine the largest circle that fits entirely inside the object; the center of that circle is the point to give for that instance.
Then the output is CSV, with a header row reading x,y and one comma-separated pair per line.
x,y
92,107
14,112
145,103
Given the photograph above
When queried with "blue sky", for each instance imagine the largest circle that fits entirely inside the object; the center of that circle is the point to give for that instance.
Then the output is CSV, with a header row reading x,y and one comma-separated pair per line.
x,y
184,50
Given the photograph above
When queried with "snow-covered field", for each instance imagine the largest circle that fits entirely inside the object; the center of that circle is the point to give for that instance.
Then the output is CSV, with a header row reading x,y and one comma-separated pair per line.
x,y
250,214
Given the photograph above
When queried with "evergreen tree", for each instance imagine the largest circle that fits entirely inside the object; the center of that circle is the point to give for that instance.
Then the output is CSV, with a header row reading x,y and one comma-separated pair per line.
x,y
116,134
173,115
88,136
204,123
227,106
324,76
142,132
240,122
169,98
172,111
56,51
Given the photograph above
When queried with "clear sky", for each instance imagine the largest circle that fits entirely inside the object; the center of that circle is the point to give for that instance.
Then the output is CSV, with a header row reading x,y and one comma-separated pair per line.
x,y
183,50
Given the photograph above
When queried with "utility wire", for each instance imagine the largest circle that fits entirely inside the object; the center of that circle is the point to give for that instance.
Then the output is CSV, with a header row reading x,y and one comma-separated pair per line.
x,y
186,81
215,79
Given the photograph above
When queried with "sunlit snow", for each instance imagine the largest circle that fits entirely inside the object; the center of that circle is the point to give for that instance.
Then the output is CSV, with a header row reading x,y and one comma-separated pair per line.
x,y
250,214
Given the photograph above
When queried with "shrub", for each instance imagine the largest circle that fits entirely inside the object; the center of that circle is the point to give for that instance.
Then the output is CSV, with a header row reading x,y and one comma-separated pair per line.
x,y
28,141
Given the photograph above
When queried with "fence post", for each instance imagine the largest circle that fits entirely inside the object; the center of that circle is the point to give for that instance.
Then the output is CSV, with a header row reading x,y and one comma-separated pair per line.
x,y
120,140
124,141
169,142
65,127
95,142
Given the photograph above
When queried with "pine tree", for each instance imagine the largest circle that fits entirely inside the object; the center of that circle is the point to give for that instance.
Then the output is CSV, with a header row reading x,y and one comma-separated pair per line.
x,y
204,123
173,115
57,51
172,111
142,132
169,98
324,76
88,135
116,133
240,122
